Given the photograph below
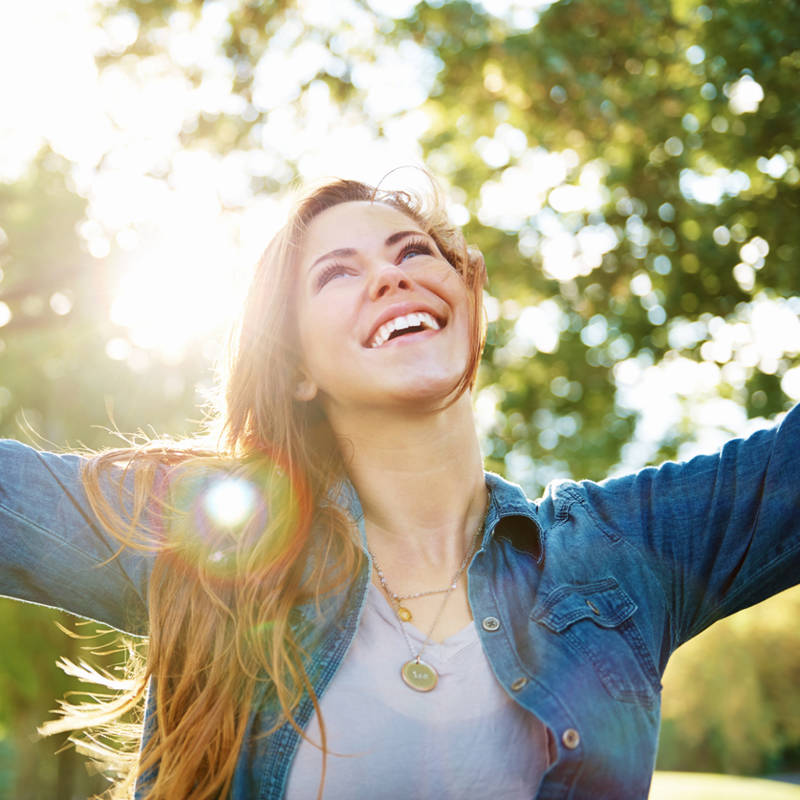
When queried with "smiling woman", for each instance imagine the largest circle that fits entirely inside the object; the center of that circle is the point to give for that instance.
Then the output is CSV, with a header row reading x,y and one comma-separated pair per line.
x,y
339,601
387,311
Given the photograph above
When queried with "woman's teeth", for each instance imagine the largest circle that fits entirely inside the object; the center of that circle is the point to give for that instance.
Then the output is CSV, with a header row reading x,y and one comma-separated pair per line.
x,y
419,319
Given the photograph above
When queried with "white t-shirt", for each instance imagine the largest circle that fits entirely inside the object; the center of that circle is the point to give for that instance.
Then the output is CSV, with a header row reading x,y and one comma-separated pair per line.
x,y
465,740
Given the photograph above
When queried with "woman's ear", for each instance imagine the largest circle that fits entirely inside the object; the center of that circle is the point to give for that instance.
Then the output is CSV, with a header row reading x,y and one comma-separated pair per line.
x,y
305,390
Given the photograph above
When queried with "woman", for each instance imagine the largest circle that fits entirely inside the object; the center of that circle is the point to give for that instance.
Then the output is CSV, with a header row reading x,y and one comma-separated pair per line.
x,y
340,602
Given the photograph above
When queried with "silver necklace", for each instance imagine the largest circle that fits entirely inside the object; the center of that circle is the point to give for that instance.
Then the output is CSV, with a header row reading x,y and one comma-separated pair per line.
x,y
416,673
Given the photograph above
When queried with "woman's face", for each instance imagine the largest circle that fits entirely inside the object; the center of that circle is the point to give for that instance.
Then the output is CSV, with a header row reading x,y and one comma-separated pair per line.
x,y
384,319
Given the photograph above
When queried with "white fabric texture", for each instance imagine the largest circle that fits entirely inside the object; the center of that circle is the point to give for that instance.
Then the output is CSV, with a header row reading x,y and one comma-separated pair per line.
x,y
465,740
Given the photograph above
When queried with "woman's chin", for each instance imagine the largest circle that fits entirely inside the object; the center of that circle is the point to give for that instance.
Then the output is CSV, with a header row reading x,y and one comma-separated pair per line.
x,y
429,392
413,389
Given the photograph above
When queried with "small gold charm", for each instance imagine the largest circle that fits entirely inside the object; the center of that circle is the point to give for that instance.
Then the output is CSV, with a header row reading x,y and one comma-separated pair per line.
x,y
404,614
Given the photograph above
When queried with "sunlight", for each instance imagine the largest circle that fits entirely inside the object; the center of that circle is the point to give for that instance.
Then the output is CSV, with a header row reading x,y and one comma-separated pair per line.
x,y
176,291
745,95
760,334
44,102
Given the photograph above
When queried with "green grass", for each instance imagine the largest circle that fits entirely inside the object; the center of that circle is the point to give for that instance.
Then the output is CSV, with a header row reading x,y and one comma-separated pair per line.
x,y
702,786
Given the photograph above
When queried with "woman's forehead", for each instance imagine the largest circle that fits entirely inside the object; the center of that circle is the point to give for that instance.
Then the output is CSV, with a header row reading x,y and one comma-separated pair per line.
x,y
353,225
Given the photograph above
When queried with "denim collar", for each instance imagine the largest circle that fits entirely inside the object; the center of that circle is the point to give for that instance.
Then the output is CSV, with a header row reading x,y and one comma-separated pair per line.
x,y
513,517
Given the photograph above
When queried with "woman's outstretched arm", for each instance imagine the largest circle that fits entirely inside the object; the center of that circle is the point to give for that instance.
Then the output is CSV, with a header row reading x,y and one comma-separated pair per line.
x,y
721,531
53,549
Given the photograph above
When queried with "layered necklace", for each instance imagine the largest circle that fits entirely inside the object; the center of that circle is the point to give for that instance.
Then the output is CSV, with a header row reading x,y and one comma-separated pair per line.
x,y
416,673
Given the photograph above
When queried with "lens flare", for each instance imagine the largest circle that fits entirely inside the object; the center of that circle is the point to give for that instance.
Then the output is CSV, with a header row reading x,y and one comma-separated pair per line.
x,y
230,502
230,524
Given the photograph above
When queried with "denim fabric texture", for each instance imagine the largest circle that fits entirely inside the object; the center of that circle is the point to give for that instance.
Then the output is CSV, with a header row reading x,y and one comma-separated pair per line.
x,y
579,597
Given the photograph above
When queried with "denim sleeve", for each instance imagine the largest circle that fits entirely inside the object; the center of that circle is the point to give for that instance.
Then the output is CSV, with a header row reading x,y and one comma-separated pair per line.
x,y
53,550
722,531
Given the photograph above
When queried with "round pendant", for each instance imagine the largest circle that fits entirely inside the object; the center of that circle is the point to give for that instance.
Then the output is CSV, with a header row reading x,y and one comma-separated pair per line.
x,y
403,613
419,676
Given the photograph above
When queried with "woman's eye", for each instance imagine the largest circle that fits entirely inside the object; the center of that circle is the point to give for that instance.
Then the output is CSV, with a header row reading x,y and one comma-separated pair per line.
x,y
328,274
415,248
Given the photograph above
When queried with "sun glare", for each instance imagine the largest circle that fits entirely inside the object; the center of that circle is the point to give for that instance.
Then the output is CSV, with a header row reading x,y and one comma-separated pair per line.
x,y
52,99
171,296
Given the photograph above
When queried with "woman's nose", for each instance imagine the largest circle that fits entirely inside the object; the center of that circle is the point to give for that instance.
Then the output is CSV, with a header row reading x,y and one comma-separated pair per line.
x,y
386,279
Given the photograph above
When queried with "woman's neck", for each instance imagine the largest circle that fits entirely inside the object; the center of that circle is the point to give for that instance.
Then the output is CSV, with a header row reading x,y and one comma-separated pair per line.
x,y
420,481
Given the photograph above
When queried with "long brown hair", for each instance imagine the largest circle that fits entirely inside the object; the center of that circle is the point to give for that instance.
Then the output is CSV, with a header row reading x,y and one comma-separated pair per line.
x,y
221,592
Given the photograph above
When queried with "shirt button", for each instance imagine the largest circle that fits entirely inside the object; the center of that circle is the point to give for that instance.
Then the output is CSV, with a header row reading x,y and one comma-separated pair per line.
x,y
571,738
518,684
490,623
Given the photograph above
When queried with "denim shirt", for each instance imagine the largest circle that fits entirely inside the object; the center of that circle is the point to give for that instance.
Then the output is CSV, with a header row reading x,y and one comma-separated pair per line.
x,y
579,597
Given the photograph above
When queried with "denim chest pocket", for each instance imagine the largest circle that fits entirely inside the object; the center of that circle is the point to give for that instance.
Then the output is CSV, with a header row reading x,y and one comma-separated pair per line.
x,y
597,620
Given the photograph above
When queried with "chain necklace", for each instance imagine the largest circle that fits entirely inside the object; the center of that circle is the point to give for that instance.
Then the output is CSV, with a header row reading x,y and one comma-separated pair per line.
x,y
402,612
416,673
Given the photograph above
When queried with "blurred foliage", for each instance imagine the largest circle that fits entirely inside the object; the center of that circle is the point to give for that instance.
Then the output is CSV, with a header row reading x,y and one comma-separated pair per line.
x,y
612,81
731,700
30,767
642,101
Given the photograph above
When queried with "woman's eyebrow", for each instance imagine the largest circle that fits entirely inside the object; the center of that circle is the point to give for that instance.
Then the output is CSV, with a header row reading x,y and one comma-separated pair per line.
x,y
344,252
341,252
396,237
